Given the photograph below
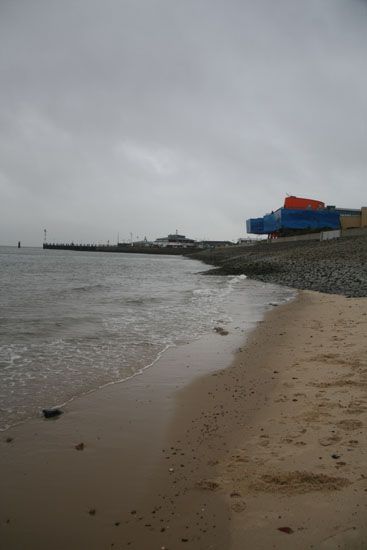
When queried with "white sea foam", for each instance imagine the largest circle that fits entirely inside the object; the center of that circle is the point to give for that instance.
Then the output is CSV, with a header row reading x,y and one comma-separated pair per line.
x,y
238,278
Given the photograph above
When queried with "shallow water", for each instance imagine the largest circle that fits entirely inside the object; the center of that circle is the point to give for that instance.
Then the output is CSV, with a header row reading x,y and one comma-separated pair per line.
x,y
71,322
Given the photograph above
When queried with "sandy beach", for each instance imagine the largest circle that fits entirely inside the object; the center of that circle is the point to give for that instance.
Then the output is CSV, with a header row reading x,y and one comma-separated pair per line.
x,y
266,452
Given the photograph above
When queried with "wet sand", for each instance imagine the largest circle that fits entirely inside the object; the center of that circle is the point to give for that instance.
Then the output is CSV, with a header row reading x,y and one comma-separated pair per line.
x,y
296,474
267,453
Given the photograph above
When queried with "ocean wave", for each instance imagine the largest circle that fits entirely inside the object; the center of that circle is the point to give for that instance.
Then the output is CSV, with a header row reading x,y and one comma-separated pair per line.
x,y
140,300
205,292
88,288
76,337
238,278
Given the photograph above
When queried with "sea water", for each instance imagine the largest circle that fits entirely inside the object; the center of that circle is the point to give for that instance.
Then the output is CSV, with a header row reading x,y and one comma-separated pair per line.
x,y
71,322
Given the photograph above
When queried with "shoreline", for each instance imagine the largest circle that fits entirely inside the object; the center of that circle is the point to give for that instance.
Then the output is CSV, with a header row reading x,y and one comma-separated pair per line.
x,y
68,402
331,266
117,424
216,464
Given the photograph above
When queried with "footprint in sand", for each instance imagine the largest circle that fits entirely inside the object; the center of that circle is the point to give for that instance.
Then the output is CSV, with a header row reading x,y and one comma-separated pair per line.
x,y
356,410
329,439
241,459
264,440
298,482
238,506
207,485
281,399
350,424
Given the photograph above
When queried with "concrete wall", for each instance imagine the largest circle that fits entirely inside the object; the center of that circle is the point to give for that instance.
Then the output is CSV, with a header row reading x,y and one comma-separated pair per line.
x,y
328,235
324,236
350,222
354,222
355,232
305,237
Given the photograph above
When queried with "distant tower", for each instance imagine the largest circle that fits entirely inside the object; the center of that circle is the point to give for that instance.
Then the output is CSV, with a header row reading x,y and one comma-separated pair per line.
x,y
19,245
45,235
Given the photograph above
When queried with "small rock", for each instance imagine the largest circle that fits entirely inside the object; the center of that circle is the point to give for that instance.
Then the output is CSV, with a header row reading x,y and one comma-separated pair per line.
x,y
52,413
92,512
221,330
79,447
335,456
287,530
9,439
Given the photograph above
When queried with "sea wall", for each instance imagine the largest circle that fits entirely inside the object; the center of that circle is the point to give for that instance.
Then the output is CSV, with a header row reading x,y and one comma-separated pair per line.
x,y
333,266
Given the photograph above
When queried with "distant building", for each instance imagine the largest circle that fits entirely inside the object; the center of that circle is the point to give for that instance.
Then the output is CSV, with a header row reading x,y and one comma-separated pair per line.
x,y
247,241
141,243
175,240
300,216
144,242
297,217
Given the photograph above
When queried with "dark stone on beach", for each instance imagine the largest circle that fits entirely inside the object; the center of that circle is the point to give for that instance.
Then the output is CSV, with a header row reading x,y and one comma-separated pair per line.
x,y
221,330
9,439
92,512
52,413
287,530
79,447
335,456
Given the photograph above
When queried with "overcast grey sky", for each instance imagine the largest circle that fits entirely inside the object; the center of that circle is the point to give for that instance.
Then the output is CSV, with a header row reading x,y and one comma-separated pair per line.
x,y
148,116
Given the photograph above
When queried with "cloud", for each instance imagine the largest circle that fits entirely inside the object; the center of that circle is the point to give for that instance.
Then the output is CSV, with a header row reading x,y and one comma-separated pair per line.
x,y
152,115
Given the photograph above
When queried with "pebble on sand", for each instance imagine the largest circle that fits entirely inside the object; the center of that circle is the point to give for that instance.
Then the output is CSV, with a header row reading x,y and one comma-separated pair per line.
x,y
287,530
52,413
221,330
